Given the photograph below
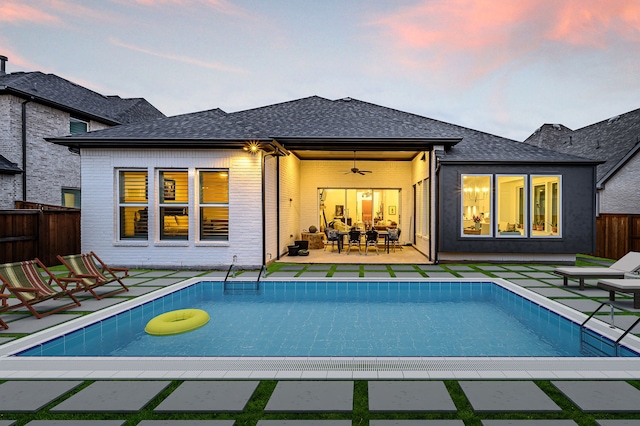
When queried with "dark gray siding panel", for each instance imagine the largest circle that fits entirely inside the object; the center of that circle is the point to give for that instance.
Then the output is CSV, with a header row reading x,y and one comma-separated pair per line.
x,y
578,211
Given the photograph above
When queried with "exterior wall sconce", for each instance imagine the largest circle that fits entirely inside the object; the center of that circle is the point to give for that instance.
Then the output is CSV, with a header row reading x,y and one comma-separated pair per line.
x,y
252,147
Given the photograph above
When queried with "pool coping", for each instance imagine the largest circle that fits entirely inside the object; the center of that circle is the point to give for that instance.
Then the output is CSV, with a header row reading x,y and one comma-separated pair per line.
x,y
339,368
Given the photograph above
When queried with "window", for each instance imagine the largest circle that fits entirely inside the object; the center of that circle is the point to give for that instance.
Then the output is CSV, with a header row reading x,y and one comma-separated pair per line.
x,y
545,206
133,204
214,205
476,205
71,197
173,196
511,206
77,126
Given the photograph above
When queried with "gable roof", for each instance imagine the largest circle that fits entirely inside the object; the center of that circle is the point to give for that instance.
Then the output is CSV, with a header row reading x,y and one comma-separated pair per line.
x,y
613,141
8,168
318,123
49,89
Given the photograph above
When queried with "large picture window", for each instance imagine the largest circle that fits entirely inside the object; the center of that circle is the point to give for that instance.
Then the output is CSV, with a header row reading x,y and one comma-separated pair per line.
x,y
476,205
173,196
133,204
545,206
214,205
511,206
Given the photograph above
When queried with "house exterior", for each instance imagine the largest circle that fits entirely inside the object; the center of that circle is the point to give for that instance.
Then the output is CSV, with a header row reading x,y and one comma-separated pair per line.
x,y
33,106
212,189
616,143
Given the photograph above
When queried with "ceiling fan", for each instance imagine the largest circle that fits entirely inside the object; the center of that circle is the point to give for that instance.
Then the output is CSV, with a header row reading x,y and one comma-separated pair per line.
x,y
355,169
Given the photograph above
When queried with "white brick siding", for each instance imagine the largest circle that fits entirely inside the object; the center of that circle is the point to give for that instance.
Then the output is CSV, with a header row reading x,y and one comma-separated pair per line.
x,y
99,204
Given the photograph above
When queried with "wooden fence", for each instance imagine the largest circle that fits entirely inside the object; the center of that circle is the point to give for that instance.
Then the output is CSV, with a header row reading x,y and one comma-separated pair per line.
x,y
38,230
617,234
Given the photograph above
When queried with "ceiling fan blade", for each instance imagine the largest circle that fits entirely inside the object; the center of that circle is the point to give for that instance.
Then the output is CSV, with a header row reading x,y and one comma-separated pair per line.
x,y
366,171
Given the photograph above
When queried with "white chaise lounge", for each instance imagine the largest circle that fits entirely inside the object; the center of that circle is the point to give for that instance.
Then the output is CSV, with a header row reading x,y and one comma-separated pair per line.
x,y
630,262
623,286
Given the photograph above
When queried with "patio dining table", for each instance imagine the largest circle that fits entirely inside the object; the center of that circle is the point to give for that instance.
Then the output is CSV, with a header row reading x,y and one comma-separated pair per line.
x,y
381,234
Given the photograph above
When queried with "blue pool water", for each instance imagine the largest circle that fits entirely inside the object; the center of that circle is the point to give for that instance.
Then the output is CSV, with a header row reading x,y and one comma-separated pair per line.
x,y
336,319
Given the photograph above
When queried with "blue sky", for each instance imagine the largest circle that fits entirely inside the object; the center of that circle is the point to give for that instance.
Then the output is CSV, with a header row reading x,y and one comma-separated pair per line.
x,y
500,66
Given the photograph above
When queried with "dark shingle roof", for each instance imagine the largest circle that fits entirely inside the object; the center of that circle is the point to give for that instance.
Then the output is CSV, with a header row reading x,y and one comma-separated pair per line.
x,y
319,118
7,167
609,141
56,91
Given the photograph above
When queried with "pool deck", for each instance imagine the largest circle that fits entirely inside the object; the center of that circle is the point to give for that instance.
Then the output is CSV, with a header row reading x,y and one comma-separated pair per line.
x,y
498,385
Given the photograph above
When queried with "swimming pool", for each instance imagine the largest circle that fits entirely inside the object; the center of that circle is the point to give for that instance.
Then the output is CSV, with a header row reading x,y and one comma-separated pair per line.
x,y
340,319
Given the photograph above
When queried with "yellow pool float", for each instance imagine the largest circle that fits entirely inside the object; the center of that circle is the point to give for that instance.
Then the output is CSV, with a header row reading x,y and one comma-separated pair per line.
x,y
176,322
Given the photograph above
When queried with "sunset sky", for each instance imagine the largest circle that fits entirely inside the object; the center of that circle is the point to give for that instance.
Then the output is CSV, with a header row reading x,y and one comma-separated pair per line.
x,y
500,66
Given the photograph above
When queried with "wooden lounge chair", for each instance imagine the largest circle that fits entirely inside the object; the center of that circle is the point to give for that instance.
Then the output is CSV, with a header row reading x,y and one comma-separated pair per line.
x,y
25,282
3,298
623,286
630,262
94,273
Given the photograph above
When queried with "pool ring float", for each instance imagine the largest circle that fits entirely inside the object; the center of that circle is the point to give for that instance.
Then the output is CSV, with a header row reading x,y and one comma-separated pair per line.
x,y
176,322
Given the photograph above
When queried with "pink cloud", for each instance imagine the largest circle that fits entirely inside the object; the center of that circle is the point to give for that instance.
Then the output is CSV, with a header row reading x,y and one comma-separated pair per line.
x,y
15,12
483,35
185,59
222,6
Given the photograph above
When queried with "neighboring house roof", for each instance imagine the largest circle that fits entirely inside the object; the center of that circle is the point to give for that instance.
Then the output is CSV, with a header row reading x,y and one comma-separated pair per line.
x,y
319,123
613,141
8,168
49,89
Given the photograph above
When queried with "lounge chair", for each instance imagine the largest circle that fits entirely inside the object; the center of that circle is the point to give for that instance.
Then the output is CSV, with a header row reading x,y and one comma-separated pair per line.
x,y
630,262
3,297
94,273
25,282
623,286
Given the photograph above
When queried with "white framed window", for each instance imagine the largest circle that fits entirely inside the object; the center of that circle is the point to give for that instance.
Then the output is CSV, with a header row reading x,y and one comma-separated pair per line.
x,y
477,205
213,204
133,204
173,204
511,206
77,126
546,202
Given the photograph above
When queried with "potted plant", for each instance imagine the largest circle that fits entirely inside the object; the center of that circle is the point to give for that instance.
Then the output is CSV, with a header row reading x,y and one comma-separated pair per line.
x,y
476,220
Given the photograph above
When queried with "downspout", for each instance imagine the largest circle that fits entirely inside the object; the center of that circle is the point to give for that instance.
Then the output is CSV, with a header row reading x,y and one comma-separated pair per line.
x,y
278,207
436,194
264,207
24,149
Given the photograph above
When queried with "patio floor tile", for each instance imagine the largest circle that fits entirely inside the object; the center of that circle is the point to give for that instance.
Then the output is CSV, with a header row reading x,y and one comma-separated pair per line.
x,y
506,396
225,397
408,274
601,396
508,275
283,274
7,422
416,423
112,396
91,304
437,274
304,423
529,423
161,282
526,282
76,423
469,274
461,268
346,274
186,423
540,274
311,397
315,274
431,268
30,396
155,274
129,281
553,292
378,274
618,422
520,268
32,324
404,396
582,305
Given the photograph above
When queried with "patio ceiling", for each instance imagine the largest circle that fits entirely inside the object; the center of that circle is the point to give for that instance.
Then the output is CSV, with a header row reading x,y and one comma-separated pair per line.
x,y
360,155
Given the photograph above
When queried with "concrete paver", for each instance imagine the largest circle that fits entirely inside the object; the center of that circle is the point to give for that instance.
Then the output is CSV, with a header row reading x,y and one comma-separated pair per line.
x,y
186,423
506,396
209,396
304,423
311,397
416,423
76,423
401,396
112,396
7,422
601,396
618,422
553,292
529,423
30,396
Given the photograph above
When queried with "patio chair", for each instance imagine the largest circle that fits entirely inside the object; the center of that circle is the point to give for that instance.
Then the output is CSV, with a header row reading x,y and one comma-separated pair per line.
x,y
371,241
394,237
3,298
25,281
94,273
354,240
630,262
333,237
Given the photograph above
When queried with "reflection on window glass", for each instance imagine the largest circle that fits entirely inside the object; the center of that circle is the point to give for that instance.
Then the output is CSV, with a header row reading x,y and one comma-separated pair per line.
x,y
545,206
214,205
476,205
510,206
133,204
173,188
